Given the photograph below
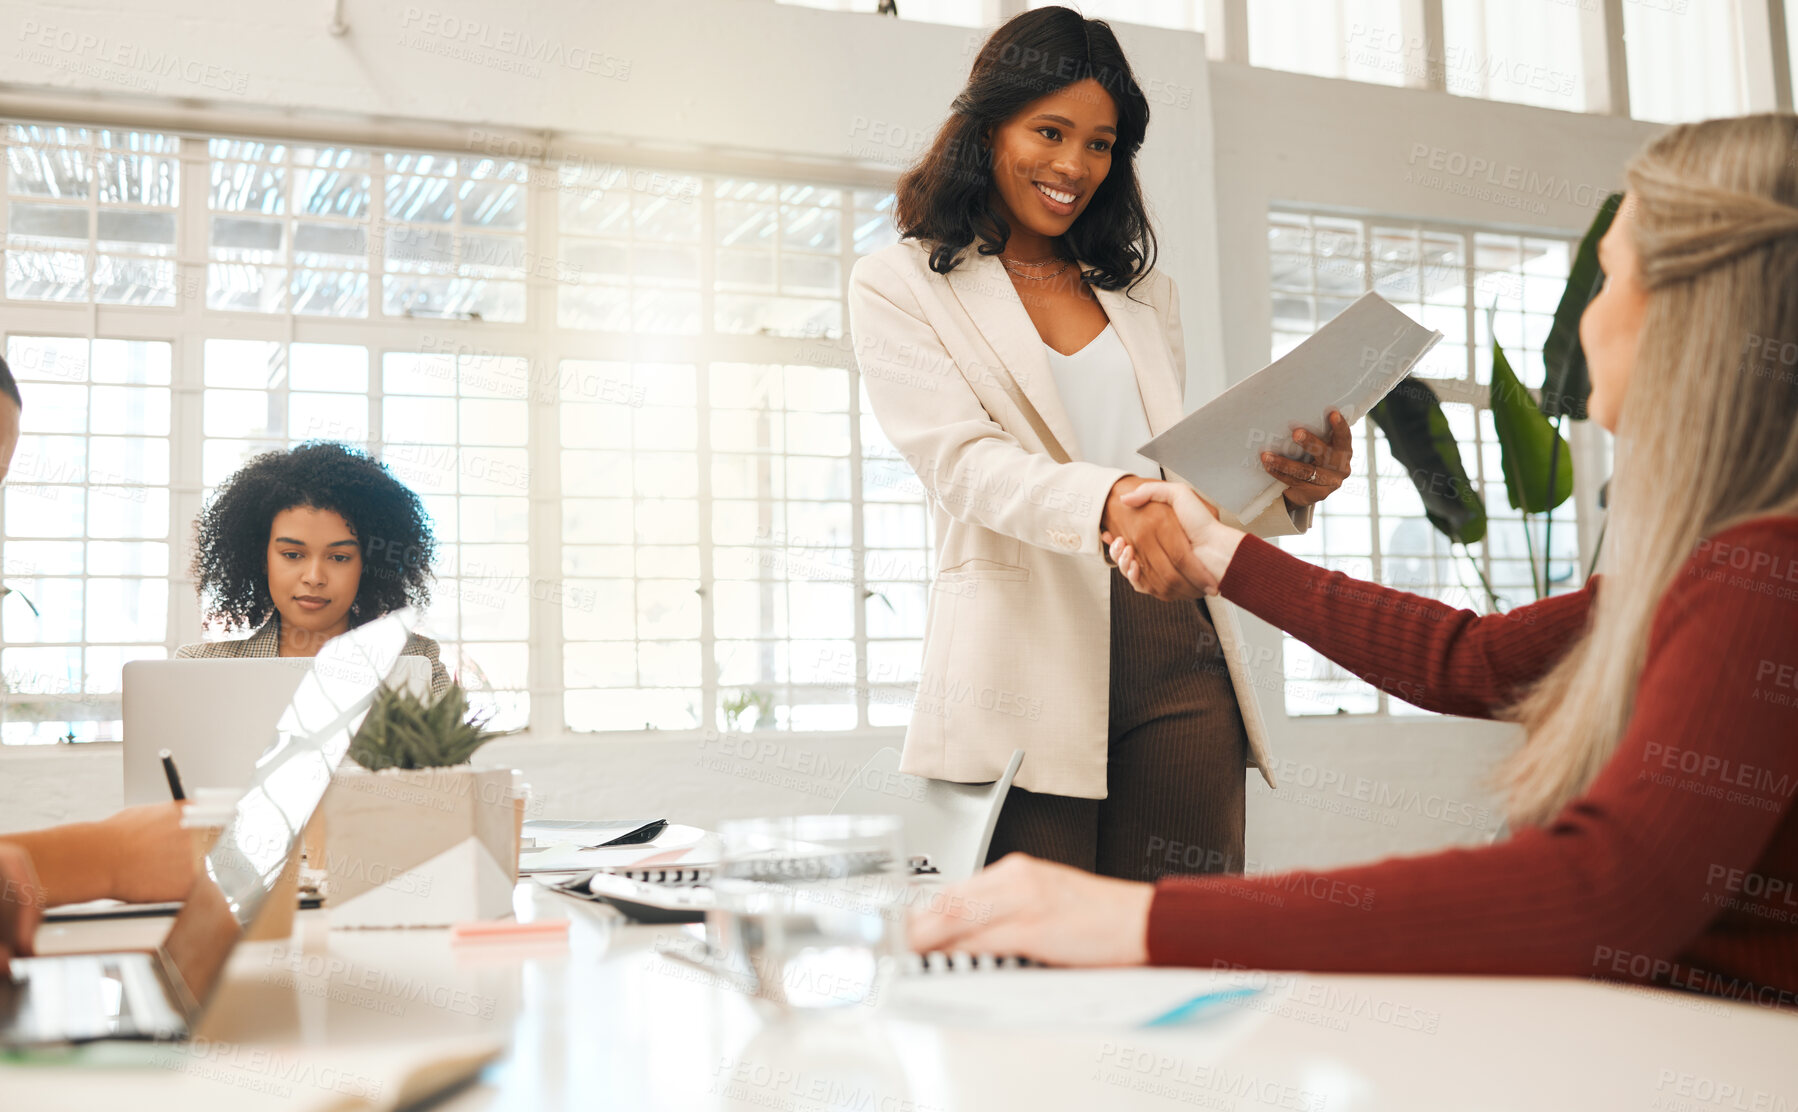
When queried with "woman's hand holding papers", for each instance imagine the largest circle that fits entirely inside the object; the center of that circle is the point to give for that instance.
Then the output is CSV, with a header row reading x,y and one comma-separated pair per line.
x,y
1021,906
1212,542
1308,483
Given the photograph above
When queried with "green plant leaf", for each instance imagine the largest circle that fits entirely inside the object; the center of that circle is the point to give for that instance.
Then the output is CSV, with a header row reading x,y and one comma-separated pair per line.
x,y
1417,432
1565,383
402,730
1527,443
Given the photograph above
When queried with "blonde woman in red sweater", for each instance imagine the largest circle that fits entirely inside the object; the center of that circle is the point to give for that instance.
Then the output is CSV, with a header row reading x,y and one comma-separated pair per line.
x,y
1652,801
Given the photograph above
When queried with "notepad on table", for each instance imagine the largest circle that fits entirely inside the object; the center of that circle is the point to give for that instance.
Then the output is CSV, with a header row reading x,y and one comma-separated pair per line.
x,y
674,847
593,833
1349,364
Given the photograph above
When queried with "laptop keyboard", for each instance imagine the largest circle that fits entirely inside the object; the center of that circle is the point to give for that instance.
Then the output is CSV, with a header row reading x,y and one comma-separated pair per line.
x,y
72,997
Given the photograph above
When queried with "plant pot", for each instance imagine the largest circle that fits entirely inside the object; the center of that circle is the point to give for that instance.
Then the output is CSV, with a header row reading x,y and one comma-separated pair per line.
x,y
419,847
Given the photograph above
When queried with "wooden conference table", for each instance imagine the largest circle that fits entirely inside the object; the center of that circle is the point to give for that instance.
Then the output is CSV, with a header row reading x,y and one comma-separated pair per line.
x,y
602,1018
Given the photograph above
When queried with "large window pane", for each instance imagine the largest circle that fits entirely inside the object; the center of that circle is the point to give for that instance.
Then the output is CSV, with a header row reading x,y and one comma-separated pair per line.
x,y
133,179
1359,39
1685,60
737,545
1472,285
632,603
88,530
291,230
1523,51
464,453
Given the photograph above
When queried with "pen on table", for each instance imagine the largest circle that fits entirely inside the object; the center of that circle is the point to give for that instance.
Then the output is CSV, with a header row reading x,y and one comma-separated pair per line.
x,y
168,769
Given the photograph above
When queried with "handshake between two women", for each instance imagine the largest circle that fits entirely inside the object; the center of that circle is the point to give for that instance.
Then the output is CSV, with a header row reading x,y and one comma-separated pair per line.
x,y
1169,542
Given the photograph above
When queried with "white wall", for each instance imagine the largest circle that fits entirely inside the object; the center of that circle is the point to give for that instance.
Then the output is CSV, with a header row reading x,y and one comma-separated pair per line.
x,y
711,82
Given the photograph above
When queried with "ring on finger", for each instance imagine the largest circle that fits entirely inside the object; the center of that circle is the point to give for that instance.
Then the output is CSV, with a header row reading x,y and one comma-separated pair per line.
x,y
1313,477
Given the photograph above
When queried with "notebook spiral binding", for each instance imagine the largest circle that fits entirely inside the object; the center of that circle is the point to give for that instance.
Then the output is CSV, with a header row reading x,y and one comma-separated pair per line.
x,y
918,865
698,874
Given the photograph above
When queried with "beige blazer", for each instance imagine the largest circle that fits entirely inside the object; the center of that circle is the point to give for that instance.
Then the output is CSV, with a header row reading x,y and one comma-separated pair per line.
x,y
1017,638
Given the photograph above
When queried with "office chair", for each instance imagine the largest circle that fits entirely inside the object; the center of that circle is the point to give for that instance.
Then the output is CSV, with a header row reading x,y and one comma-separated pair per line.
x,y
951,824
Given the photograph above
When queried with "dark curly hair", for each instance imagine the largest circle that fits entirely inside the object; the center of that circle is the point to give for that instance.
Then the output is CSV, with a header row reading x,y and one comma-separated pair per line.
x,y
230,565
945,198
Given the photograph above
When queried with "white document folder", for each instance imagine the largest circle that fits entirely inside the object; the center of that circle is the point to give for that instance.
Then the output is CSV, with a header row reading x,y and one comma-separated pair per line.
x,y
1349,364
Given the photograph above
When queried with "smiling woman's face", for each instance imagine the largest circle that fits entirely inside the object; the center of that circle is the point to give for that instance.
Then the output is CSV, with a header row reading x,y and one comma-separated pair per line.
x,y
314,570
1050,157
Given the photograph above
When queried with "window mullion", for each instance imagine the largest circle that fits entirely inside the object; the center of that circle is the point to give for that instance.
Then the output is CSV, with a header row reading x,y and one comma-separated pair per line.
x,y
1470,255
858,548
1604,59
1421,23
1373,471
187,379
544,645
702,416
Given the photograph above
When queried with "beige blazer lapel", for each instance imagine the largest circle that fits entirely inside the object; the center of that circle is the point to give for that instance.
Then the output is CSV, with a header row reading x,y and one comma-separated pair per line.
x,y
984,289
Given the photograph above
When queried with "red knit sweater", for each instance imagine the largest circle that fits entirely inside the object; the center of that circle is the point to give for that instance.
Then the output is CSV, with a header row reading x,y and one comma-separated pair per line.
x,y
1678,866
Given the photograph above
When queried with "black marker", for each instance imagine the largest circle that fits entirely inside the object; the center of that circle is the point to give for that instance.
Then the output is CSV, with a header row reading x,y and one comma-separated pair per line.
x,y
168,769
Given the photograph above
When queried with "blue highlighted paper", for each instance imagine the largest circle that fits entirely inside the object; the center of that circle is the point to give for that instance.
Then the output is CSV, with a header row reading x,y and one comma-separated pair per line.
x,y
1199,1006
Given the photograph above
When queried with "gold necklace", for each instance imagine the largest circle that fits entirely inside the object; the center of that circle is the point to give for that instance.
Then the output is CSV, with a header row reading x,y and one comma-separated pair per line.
x,y
1003,261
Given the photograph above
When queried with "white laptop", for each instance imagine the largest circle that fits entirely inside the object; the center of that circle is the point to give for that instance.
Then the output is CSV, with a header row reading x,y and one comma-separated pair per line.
x,y
215,717
161,993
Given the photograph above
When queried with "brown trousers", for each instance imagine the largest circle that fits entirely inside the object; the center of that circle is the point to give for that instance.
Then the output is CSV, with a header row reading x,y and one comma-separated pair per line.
x,y
1176,753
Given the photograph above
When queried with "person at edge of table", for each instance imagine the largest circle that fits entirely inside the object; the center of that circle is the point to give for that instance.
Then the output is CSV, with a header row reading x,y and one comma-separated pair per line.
x,y
139,854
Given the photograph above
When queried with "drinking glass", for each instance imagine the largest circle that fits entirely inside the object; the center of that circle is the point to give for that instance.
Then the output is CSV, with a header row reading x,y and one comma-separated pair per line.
x,y
809,908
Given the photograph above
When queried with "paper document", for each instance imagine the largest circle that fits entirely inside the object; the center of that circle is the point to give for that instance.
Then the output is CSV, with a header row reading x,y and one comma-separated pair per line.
x,y
676,845
595,833
1348,364
1115,998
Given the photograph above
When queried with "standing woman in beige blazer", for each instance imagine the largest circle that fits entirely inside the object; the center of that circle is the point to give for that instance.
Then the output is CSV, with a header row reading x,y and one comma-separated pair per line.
x,y
1011,359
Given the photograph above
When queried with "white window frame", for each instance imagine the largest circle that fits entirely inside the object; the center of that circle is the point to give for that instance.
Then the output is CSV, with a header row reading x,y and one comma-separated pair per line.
x,y
538,338
1589,444
1766,51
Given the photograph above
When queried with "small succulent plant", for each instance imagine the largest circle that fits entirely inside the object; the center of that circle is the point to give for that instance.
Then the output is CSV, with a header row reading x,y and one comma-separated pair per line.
x,y
403,730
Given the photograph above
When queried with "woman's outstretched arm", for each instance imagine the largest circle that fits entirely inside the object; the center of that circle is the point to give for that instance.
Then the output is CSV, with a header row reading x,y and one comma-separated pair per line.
x,y
1425,652
1428,653
1627,877
1628,882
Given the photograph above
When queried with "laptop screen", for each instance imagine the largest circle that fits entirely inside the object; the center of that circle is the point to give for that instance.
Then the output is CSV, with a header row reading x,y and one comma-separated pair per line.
x,y
290,779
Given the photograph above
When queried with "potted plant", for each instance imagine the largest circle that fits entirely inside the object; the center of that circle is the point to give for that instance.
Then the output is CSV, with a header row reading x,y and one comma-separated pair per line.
x,y
1536,460
414,835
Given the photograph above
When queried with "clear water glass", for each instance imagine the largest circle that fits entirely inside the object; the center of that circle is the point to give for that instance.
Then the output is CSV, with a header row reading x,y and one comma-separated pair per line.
x,y
810,908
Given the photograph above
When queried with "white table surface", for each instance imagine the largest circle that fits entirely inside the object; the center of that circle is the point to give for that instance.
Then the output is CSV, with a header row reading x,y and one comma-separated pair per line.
x,y
601,1020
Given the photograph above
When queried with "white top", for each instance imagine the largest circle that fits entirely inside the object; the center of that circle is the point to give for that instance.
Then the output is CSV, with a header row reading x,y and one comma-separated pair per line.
x,y
1098,389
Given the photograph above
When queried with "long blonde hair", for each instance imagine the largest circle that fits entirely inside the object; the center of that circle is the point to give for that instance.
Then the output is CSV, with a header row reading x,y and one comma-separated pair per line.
x,y
1707,435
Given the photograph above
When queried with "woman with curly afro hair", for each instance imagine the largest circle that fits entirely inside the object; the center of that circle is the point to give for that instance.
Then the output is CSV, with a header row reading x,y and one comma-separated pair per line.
x,y
306,544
